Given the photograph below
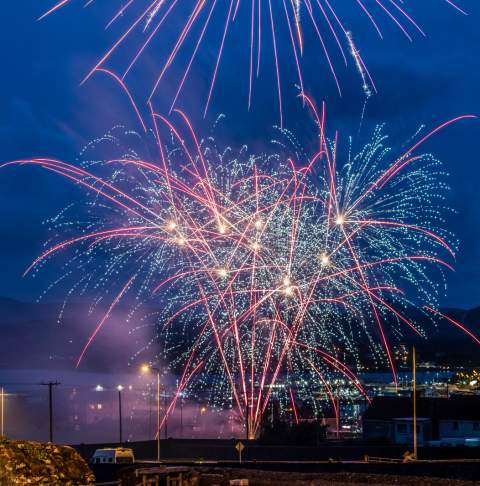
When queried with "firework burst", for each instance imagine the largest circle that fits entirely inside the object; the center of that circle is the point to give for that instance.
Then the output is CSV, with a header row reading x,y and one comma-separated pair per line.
x,y
280,24
269,268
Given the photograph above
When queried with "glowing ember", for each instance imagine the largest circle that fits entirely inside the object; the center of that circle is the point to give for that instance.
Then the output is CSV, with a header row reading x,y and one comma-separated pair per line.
x,y
345,240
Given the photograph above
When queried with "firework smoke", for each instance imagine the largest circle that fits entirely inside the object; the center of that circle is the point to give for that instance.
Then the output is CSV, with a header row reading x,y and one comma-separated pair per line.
x,y
270,268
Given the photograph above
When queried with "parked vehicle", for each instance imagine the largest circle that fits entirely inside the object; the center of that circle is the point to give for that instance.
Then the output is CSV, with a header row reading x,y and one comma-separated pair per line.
x,y
118,455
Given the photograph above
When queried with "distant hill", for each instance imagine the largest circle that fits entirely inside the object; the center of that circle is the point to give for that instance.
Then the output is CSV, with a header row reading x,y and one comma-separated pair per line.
x,y
449,345
33,336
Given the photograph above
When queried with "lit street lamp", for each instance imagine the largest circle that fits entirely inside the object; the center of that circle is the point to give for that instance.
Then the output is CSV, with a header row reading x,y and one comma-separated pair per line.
x,y
2,412
181,415
145,369
120,388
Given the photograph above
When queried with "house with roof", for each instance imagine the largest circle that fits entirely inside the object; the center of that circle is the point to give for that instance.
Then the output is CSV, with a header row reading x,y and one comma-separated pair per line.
x,y
440,421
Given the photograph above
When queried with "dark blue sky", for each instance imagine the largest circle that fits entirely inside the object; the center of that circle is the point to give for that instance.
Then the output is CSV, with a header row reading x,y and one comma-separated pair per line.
x,y
44,112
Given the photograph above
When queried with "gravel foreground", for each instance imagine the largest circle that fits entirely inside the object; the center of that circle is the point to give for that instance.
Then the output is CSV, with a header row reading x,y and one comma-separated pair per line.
x,y
34,463
221,477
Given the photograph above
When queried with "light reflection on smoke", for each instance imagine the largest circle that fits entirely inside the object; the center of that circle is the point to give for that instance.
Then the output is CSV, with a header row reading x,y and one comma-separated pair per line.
x,y
86,409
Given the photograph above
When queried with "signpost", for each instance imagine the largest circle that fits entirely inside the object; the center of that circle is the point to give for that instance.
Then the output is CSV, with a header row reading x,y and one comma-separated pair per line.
x,y
239,446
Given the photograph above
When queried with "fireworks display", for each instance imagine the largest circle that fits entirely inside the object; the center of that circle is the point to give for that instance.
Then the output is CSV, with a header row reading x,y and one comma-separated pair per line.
x,y
282,26
269,268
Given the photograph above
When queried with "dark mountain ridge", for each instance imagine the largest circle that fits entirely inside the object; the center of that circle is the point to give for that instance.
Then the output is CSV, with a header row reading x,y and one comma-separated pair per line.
x,y
34,329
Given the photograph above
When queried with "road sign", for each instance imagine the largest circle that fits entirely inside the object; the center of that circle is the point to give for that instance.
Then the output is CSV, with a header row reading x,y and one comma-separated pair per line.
x,y
239,446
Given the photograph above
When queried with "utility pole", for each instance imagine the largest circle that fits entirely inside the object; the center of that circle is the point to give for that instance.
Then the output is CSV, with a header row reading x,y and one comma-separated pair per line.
x,y
145,369
149,429
119,389
337,415
165,413
50,385
157,370
2,411
414,398
181,416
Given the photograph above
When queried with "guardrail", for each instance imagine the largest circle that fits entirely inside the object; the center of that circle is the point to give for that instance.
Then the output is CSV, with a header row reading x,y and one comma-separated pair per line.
x,y
388,460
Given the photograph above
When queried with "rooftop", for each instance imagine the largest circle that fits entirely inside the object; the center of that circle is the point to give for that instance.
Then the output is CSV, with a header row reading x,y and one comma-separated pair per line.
x,y
454,408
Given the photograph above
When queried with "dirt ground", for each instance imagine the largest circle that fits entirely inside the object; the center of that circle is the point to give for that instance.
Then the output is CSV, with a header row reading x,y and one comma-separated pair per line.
x,y
269,478
25,462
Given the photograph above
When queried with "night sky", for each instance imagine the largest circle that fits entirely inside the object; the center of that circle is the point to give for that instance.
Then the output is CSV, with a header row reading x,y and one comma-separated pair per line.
x,y
45,112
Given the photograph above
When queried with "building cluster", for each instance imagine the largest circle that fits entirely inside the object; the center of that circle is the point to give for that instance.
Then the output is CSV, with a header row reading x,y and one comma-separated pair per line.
x,y
448,410
439,421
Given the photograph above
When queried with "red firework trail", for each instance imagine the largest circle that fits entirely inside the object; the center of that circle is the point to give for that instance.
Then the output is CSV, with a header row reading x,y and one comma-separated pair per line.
x,y
284,19
266,262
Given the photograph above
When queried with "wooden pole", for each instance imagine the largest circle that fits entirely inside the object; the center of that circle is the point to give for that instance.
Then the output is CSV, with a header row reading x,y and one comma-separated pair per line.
x,y
120,431
158,415
337,416
414,398
50,385
2,412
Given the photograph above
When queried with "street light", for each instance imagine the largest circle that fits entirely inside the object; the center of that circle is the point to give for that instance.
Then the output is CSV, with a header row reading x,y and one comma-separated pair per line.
x,y
120,388
2,412
146,369
181,415
414,398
